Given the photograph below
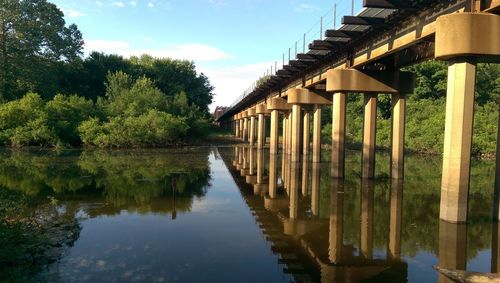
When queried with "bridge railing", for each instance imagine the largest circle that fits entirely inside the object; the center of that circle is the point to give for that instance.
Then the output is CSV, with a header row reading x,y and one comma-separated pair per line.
x,y
331,19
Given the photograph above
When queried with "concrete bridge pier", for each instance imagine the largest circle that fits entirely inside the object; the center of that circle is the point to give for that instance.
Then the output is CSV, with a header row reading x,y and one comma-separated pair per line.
x,y
277,105
303,99
342,81
398,135
289,133
305,176
262,111
245,128
294,189
251,139
338,134
369,136
316,144
273,176
459,42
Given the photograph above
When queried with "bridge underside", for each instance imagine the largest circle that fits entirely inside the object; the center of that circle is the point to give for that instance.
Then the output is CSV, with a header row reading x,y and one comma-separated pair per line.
x,y
365,55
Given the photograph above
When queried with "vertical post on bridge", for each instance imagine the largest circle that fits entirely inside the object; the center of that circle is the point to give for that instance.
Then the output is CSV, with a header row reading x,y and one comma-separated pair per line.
x,y
369,134
338,134
316,145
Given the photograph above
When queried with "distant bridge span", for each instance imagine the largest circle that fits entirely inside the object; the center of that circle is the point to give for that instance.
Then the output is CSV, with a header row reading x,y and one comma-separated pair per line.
x,y
365,55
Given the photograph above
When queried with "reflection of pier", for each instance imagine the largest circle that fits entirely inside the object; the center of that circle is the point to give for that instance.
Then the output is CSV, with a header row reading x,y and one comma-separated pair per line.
x,y
311,248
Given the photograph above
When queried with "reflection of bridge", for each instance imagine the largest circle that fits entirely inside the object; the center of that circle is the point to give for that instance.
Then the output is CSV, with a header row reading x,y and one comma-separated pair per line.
x,y
365,55
312,249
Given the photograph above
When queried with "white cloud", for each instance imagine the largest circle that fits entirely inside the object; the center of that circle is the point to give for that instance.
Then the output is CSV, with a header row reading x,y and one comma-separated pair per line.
x,y
99,3
306,8
151,5
133,3
194,52
72,13
231,82
118,4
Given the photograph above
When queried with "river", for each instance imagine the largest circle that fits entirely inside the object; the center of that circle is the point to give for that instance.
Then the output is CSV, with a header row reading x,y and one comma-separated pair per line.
x,y
234,214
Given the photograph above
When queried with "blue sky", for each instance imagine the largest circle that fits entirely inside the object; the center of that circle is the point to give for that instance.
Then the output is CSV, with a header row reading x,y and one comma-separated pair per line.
x,y
231,41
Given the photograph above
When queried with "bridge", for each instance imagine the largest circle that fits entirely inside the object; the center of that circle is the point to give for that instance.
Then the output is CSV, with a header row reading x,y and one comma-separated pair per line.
x,y
365,56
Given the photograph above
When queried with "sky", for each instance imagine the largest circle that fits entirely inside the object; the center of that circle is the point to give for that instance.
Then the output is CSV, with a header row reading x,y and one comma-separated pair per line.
x,y
232,42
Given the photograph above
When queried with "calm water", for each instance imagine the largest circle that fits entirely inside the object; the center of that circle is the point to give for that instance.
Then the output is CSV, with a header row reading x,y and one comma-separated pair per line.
x,y
214,215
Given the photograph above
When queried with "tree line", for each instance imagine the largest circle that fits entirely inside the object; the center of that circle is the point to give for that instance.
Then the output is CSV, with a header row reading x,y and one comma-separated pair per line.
x,y
51,96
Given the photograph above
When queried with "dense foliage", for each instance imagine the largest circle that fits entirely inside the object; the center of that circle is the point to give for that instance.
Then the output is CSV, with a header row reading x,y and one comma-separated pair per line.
x,y
51,96
426,110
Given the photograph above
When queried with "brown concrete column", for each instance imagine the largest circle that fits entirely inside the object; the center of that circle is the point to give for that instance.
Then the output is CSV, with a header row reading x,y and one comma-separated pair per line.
x,y
398,136
315,185
395,217
457,142
273,175
336,221
252,130
245,129
316,145
306,133
284,134
338,134
237,128
274,132
367,195
260,166
261,132
296,130
369,132
251,160
452,248
289,133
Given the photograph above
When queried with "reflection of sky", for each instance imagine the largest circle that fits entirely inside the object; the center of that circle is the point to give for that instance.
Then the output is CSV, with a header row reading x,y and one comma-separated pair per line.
x,y
223,245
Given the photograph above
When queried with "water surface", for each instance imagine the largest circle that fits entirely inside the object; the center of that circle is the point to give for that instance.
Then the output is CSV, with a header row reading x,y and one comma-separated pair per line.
x,y
234,214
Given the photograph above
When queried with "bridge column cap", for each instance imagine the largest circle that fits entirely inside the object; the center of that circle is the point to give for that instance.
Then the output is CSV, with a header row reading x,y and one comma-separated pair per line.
x,y
306,96
251,112
262,109
278,103
352,80
468,35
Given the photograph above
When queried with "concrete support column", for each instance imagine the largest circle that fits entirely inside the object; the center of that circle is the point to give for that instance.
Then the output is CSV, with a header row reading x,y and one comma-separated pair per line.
x,y
296,130
245,129
395,218
452,248
336,221
284,134
316,145
306,133
338,134
261,132
274,132
251,161
237,128
369,132
273,175
289,133
457,142
367,196
398,136
252,130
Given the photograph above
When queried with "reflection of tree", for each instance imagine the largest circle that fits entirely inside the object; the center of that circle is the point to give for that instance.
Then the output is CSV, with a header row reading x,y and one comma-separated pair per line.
x,y
138,181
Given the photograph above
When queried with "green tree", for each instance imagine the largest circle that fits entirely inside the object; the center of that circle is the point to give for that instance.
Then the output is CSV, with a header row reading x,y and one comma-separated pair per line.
x,y
33,37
